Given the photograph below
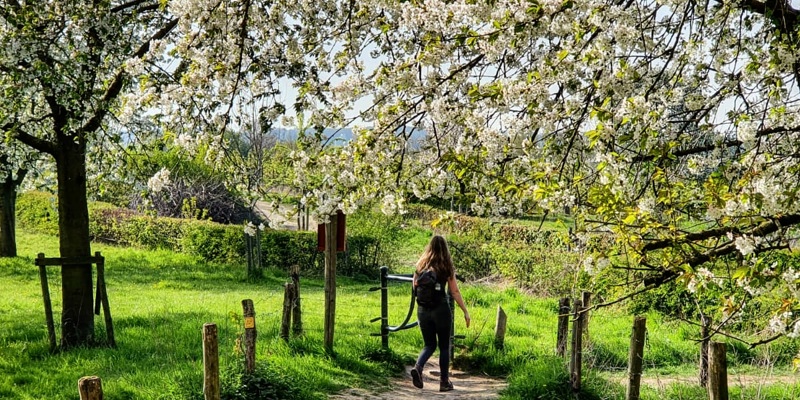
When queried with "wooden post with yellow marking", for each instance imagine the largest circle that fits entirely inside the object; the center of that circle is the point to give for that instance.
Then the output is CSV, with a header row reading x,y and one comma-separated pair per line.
x,y
249,336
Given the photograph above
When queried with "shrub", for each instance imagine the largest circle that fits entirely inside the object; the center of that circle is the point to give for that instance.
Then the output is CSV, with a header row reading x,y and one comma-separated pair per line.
x,y
537,268
208,240
212,241
470,258
38,210
282,249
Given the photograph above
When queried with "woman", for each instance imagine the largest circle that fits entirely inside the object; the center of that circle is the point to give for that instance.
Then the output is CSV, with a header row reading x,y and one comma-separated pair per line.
x,y
434,321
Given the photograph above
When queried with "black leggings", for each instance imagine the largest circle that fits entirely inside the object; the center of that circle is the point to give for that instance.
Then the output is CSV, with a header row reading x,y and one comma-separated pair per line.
x,y
435,323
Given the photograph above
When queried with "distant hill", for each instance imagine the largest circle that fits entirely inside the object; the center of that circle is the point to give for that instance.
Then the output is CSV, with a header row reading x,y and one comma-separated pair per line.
x,y
339,135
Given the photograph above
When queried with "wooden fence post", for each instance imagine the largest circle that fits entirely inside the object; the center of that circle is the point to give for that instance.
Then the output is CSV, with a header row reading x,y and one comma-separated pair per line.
x,y
287,310
587,302
717,372
635,358
103,298
576,353
500,329
705,325
210,362
385,307
297,321
249,336
563,326
48,307
330,281
90,388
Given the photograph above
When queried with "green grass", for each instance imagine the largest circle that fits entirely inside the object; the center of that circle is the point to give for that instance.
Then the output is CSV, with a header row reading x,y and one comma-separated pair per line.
x,y
413,241
160,301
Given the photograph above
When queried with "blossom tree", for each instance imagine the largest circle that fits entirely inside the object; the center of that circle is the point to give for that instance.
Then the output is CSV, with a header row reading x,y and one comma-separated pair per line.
x,y
671,128
71,73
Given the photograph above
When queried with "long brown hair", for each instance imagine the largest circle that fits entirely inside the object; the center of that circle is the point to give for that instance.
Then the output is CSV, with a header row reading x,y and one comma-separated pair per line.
x,y
437,257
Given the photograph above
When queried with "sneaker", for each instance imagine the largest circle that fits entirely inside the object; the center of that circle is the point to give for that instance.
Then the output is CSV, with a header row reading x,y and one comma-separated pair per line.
x,y
445,386
416,377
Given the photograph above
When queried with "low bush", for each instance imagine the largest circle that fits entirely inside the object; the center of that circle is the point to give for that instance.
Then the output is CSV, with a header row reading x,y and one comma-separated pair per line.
x,y
534,267
538,268
212,241
470,258
38,210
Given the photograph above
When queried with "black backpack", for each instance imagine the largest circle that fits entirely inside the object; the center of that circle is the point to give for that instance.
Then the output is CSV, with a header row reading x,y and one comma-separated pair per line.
x,y
429,291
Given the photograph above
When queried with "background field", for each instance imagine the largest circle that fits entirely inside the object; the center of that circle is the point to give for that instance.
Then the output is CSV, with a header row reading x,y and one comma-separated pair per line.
x,y
160,300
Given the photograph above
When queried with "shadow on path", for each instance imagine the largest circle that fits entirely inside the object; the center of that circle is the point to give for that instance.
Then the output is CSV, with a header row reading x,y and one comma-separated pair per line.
x,y
471,387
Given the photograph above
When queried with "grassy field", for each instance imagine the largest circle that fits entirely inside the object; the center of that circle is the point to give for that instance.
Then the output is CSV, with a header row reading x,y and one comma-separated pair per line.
x,y
160,301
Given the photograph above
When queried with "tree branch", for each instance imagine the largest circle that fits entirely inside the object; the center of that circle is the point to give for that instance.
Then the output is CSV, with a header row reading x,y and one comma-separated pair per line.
x,y
781,12
20,176
130,4
116,85
762,229
30,140
710,147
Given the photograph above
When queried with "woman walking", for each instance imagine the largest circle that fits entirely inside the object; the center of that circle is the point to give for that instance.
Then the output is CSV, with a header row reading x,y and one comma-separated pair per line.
x,y
435,272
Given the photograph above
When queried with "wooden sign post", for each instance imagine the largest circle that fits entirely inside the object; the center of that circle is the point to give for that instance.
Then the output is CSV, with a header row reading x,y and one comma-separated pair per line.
x,y
334,240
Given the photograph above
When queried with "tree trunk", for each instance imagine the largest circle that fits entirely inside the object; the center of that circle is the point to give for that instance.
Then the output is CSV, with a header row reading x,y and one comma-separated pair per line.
x,y
77,319
8,203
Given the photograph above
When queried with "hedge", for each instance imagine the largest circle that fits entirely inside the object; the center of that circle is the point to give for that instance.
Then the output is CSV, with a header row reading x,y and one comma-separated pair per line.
x,y
211,241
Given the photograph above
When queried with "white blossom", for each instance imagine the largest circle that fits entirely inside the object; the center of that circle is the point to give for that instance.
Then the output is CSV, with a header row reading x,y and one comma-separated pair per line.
x,y
746,245
777,324
159,181
250,229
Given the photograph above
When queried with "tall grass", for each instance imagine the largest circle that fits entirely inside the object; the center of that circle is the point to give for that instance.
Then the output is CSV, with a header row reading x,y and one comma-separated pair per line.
x,y
160,300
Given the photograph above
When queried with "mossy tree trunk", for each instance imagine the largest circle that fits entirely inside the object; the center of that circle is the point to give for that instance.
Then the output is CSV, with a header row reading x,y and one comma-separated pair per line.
x,y
8,209
77,319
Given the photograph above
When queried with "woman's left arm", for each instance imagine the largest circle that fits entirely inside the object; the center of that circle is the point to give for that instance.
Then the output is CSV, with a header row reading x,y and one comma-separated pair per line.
x,y
453,285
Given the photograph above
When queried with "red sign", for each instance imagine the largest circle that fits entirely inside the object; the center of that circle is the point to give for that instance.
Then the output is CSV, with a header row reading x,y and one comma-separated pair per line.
x,y
341,233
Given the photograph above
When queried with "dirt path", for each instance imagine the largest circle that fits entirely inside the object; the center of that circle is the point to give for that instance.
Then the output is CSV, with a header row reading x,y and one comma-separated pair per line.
x,y
467,386
278,220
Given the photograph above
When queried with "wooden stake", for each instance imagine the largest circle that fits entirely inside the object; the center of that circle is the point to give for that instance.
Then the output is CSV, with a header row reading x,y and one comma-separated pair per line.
x,y
287,310
705,324
210,362
563,326
48,307
103,294
500,329
249,313
577,350
635,358
330,282
717,372
587,302
90,388
297,314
